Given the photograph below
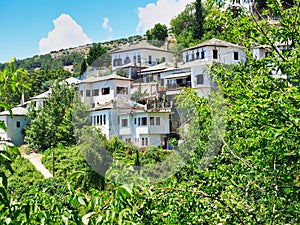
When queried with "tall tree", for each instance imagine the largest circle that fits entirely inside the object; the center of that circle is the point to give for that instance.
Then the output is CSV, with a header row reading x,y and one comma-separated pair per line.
x,y
198,28
55,120
98,56
158,33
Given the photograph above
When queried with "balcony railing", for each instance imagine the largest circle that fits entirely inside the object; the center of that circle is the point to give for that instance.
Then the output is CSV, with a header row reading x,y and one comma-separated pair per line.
x,y
174,87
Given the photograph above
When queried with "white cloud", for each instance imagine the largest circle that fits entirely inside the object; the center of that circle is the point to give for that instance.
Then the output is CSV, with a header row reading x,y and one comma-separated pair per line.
x,y
160,12
106,25
67,33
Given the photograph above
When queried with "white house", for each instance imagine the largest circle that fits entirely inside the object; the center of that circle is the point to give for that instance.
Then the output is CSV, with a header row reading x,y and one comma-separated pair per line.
x,y
144,128
133,58
215,50
106,116
194,71
14,125
98,90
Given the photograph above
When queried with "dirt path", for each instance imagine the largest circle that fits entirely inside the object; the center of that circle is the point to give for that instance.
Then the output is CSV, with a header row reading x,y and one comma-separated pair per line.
x,y
36,160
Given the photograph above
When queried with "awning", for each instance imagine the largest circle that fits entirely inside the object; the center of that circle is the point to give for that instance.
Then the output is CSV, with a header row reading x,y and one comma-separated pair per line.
x,y
178,76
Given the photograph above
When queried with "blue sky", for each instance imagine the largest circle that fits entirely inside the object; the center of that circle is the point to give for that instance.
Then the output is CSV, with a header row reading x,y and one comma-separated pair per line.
x,y
33,27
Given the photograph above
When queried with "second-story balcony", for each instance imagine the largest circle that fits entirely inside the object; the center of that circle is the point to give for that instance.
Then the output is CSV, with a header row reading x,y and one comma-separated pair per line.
x,y
178,81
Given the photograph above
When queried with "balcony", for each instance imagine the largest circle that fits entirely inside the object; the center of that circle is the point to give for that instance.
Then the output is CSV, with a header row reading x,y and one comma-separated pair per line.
x,y
177,86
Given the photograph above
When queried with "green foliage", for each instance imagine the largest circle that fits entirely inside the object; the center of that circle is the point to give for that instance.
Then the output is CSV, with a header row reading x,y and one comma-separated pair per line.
x,y
54,120
83,67
24,176
157,35
198,30
12,84
98,56
86,177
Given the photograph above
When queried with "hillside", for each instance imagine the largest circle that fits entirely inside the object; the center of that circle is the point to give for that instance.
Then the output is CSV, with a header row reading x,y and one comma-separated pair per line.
x,y
68,59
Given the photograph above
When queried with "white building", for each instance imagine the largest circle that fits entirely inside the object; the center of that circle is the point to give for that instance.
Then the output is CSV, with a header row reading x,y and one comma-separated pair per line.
x,y
215,50
98,90
133,58
14,125
106,116
144,128
194,71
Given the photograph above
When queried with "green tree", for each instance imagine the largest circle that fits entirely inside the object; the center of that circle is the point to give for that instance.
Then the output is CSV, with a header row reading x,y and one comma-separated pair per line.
x,y
158,33
83,67
198,29
98,56
53,121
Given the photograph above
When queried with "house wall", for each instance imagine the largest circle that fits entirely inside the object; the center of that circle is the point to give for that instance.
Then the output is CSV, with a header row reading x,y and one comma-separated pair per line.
x,y
14,133
144,55
259,53
92,101
101,120
3,133
225,55
137,132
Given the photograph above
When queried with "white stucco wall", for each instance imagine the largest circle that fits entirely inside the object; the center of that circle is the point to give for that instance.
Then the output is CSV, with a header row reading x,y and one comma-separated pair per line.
x,y
136,132
225,54
144,55
14,133
111,84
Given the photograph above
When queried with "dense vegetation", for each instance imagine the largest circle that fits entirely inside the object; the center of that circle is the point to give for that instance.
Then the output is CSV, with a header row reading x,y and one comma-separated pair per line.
x,y
241,148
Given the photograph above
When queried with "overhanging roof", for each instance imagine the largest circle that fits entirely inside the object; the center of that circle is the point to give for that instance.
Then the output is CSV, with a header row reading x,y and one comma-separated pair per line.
x,y
178,75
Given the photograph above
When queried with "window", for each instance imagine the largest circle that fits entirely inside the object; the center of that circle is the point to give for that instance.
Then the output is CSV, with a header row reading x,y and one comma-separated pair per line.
x,y
124,122
150,59
101,121
134,59
235,55
139,59
122,90
95,92
134,121
94,120
127,60
145,141
128,140
157,121
202,54
93,105
187,58
98,119
200,79
163,59
117,62
104,119
105,91
215,54
87,93
18,124
139,121
197,55
151,120
81,93
193,56
144,121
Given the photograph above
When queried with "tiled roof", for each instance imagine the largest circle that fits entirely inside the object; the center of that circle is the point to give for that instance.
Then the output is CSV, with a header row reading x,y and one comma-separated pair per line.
x,y
141,45
214,42
159,67
16,111
119,103
104,78
43,95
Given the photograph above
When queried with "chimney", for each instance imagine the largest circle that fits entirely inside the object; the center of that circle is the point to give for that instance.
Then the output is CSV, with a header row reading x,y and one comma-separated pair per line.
x,y
23,98
175,61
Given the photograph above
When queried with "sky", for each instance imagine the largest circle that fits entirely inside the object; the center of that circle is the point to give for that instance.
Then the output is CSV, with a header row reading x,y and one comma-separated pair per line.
x,y
34,27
